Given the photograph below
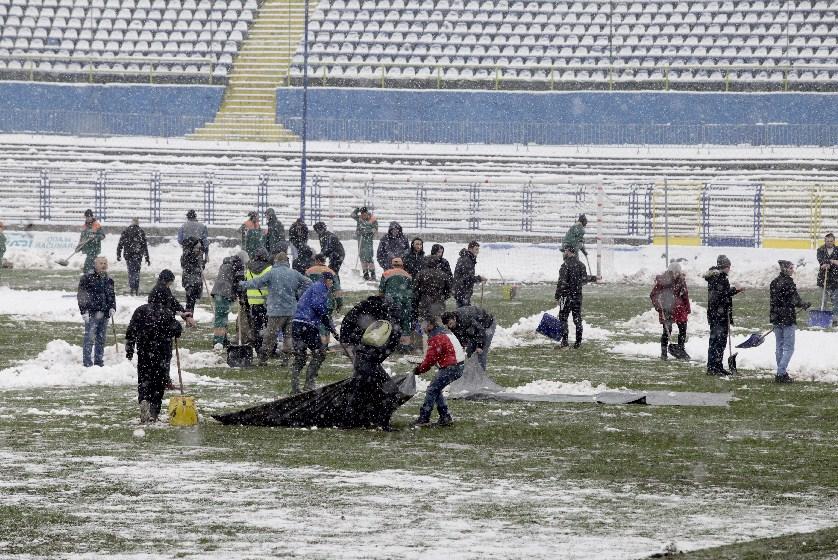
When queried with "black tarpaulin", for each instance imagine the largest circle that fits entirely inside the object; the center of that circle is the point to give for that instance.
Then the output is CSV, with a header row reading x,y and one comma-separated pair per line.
x,y
351,403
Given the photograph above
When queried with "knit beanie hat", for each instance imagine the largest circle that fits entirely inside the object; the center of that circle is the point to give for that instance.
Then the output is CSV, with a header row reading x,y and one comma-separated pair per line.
x,y
722,261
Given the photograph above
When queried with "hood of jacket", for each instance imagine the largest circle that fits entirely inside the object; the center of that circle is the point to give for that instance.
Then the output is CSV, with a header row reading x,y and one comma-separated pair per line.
x,y
394,226
271,214
713,273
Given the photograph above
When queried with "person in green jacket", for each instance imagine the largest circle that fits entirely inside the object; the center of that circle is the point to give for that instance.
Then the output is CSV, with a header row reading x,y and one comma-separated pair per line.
x,y
575,236
90,240
397,288
251,234
366,231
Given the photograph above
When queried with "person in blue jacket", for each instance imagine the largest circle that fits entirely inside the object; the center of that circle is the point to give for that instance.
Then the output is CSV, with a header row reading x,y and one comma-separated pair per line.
x,y
312,311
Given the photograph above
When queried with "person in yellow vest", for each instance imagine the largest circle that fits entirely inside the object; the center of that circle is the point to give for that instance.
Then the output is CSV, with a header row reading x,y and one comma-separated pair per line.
x,y
335,294
397,287
257,267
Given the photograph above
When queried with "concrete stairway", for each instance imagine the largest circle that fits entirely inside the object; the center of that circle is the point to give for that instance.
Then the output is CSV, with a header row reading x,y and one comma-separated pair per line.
x,y
248,110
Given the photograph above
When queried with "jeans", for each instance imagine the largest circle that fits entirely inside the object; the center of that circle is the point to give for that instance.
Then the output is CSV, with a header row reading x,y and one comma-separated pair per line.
x,y
95,332
134,266
483,357
784,337
433,396
716,350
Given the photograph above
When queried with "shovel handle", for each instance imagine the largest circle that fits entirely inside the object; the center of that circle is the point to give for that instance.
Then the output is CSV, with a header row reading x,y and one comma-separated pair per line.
x,y
113,329
825,282
177,360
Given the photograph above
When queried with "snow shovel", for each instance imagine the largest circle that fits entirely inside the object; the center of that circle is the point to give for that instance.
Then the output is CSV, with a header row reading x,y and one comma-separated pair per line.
x,y
819,317
65,262
239,355
212,302
182,409
113,330
755,339
731,360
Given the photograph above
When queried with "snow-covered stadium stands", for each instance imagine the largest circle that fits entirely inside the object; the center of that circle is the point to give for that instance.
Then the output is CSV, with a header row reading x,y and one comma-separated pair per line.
x,y
123,39
561,44
541,44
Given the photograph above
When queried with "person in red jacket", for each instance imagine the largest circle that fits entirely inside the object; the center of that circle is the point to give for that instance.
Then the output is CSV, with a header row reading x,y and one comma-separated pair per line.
x,y
445,351
672,302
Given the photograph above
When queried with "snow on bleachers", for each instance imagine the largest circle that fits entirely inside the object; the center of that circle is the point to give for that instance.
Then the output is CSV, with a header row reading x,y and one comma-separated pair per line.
x,y
176,38
577,41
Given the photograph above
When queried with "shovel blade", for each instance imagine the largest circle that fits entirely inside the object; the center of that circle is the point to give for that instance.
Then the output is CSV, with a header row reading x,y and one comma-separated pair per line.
x,y
182,411
239,356
752,341
819,318
62,262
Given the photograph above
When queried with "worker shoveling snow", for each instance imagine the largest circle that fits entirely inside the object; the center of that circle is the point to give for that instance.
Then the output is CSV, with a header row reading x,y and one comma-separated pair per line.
x,y
814,359
60,365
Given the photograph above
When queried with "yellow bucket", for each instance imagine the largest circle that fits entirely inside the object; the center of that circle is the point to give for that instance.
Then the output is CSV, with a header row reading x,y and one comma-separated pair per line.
x,y
182,411
509,291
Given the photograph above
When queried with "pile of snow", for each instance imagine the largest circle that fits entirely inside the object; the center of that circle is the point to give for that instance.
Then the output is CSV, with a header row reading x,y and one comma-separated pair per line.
x,y
522,333
60,365
814,358
647,322
545,387
55,306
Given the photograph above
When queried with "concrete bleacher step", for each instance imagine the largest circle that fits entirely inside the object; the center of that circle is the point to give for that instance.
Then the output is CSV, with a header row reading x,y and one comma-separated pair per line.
x,y
248,110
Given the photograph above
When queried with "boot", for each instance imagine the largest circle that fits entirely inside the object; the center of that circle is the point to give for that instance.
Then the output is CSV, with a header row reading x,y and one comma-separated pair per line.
x,y
577,344
664,352
366,275
372,275
563,343
145,411
445,421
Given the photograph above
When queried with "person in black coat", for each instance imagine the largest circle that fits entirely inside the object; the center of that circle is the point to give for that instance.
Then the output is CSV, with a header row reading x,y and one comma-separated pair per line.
x,y
415,258
330,246
719,313
784,304
393,244
464,275
438,251
474,327
431,288
304,259
134,246
828,273
573,275
298,234
97,304
364,314
151,330
162,291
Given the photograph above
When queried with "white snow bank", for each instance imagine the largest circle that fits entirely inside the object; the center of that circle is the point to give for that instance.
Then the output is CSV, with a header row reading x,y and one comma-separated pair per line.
x,y
54,306
647,322
522,333
60,365
545,387
510,262
814,358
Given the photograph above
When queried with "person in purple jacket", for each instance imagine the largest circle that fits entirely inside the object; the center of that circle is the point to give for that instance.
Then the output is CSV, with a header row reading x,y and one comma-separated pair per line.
x,y
312,311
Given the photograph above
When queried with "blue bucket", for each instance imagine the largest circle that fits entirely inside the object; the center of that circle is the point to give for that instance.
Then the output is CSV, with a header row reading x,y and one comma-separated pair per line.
x,y
820,318
550,327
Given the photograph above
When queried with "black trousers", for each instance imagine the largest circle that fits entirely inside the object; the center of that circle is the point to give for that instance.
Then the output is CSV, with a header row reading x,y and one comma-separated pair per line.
x,y
258,322
573,306
134,266
682,335
716,350
193,294
153,375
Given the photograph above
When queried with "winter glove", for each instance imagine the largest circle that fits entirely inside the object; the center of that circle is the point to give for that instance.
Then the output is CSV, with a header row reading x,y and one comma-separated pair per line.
x,y
806,305
147,262
111,312
416,371
129,352
118,258
85,317
592,278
